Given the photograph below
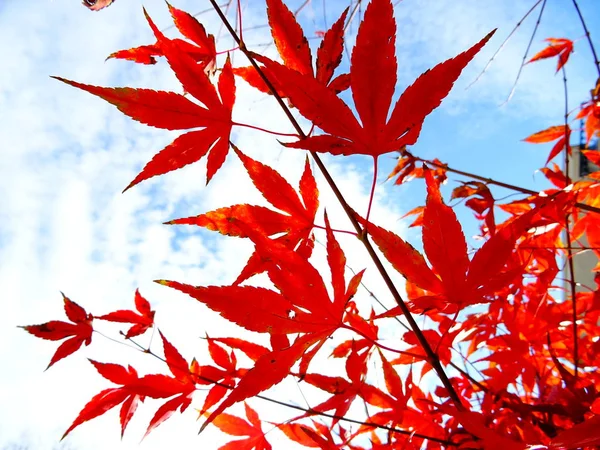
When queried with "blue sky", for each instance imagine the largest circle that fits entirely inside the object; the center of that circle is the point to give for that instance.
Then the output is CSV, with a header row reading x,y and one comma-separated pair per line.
x,y
66,156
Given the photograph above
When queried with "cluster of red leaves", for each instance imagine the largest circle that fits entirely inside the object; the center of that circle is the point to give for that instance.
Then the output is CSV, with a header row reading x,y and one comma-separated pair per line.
x,y
496,311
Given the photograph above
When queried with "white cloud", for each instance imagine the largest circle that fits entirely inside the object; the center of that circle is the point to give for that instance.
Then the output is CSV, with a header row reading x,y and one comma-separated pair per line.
x,y
64,225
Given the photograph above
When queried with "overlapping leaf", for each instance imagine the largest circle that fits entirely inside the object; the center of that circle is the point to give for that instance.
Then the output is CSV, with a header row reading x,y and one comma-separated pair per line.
x,y
173,111
141,320
293,47
301,306
453,279
373,80
294,227
134,388
203,49
235,426
78,332
109,398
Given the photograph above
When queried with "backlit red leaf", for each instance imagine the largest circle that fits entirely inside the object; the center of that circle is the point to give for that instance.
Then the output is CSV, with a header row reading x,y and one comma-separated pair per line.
x,y
289,38
55,330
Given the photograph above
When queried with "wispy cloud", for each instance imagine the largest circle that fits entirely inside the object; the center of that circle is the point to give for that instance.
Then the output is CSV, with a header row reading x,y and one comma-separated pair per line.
x,y
66,156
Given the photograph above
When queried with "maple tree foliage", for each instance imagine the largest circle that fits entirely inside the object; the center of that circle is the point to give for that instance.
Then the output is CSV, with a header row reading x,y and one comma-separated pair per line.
x,y
498,310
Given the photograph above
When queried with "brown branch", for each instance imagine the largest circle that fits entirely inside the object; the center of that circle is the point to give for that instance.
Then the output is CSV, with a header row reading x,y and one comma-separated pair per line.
x,y
491,181
589,38
432,357
568,230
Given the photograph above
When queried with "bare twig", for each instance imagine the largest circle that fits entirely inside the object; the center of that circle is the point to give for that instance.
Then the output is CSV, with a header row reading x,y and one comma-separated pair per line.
x,y
537,24
489,63
310,411
491,181
587,35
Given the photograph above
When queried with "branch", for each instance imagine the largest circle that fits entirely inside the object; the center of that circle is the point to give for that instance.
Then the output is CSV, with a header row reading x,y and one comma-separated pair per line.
x,y
537,24
491,181
489,63
432,357
292,406
568,230
589,38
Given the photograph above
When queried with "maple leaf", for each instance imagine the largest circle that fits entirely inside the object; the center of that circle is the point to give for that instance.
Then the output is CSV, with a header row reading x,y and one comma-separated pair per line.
x,y
557,47
456,281
184,385
236,426
173,111
373,78
560,132
475,424
585,434
142,320
302,306
109,398
292,46
591,112
482,202
203,50
406,168
294,227
135,388
80,329
346,391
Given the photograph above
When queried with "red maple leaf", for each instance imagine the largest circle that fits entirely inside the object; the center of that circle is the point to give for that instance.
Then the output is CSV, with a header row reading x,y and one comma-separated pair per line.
x,y
134,388
560,132
456,281
591,112
55,330
173,111
236,426
203,49
294,227
142,320
292,45
557,47
302,306
109,398
373,81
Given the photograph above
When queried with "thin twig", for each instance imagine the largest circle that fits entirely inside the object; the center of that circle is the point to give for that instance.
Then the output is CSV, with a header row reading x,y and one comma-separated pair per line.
x,y
537,24
587,35
568,230
513,187
489,63
431,356
290,405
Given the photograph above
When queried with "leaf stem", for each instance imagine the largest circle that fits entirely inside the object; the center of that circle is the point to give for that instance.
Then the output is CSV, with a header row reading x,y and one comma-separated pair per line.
x,y
432,357
384,347
335,230
264,130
